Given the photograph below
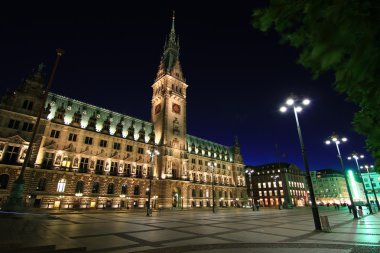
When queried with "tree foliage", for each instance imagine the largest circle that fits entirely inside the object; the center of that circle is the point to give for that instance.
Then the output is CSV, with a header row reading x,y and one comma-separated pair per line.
x,y
342,36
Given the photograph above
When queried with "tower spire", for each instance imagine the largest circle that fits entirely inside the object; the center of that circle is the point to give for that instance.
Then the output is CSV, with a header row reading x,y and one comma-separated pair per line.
x,y
173,21
170,58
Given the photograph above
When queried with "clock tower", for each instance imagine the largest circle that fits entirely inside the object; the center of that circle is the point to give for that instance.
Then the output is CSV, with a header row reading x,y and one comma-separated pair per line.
x,y
169,110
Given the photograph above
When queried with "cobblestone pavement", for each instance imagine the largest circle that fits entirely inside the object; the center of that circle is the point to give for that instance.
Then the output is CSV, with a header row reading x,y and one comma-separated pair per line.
x,y
228,230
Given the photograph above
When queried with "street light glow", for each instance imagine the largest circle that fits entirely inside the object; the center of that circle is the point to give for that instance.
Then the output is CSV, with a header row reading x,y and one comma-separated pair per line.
x,y
328,142
306,101
344,139
290,101
298,109
283,109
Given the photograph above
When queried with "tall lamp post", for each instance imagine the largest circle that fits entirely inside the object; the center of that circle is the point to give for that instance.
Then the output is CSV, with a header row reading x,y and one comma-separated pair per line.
x,y
355,156
296,104
212,165
335,138
152,152
15,200
369,178
249,173
275,177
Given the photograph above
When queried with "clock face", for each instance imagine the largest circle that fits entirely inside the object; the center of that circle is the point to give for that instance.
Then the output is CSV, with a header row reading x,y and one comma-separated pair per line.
x,y
157,109
176,108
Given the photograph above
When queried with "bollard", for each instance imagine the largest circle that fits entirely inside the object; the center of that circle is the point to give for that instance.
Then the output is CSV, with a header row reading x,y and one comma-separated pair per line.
x,y
325,224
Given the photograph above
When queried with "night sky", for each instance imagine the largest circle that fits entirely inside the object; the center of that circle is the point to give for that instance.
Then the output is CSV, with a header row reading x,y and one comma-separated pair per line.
x,y
237,76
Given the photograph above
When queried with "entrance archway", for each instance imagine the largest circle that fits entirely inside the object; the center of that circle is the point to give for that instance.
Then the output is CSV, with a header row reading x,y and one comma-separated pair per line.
x,y
177,201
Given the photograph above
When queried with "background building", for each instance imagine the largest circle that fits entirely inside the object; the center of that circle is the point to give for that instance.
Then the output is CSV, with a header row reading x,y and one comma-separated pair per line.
x,y
290,184
86,156
374,179
329,186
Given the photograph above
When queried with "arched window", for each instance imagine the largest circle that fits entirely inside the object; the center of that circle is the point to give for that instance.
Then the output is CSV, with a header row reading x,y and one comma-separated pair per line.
x,y
4,178
61,185
110,188
124,189
41,184
200,193
79,187
136,190
95,187
193,194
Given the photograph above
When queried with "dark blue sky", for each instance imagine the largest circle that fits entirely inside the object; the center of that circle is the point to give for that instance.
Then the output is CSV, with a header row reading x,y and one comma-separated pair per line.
x,y
237,76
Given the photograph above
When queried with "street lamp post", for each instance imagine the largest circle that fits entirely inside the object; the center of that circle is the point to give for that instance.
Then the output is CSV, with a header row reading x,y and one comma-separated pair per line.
x,y
15,200
295,104
335,138
275,177
369,178
356,157
212,165
152,152
249,173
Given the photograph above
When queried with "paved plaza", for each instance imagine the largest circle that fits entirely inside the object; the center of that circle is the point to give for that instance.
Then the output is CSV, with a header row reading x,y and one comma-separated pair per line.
x,y
228,230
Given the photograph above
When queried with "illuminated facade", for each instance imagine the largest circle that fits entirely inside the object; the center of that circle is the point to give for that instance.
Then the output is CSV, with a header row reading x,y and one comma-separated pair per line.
x,y
90,157
329,186
290,184
374,179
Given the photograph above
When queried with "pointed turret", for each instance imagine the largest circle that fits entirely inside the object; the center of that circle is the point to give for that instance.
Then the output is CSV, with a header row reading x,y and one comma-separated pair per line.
x,y
169,64
236,151
34,83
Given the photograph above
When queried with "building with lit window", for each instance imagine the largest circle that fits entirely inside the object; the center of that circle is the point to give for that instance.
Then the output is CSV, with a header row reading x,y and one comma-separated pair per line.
x,y
329,186
372,178
86,156
283,179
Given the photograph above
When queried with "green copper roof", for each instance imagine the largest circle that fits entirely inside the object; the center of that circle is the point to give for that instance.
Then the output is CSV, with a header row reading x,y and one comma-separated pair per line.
x,y
71,106
195,145
210,149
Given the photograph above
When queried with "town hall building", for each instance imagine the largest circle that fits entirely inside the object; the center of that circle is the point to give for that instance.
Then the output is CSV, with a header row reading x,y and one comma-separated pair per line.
x,y
90,157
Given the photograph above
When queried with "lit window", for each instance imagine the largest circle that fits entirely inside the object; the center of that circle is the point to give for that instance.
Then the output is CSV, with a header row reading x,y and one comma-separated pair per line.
x,y
61,185
279,183
259,185
260,193
264,185
281,192
269,184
